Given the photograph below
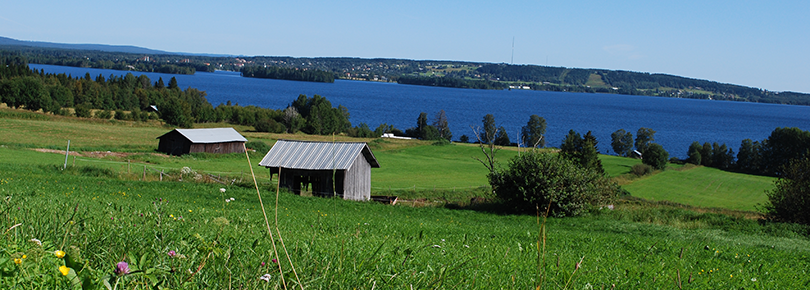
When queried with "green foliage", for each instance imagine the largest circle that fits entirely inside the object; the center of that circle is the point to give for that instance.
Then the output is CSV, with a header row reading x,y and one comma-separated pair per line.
x,y
451,82
534,180
782,146
281,73
749,158
103,114
259,146
644,137
83,111
502,138
641,169
693,153
582,150
321,118
622,142
269,125
655,156
532,134
790,200
488,131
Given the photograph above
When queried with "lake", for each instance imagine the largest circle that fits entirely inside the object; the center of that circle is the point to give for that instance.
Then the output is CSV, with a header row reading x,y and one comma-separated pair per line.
x,y
677,122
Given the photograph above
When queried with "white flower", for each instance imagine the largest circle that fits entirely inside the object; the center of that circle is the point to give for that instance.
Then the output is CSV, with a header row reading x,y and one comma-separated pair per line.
x,y
753,279
222,190
437,246
266,277
466,246
35,241
227,200
232,199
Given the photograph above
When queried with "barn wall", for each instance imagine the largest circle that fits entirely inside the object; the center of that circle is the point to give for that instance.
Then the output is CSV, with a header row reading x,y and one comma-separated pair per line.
x,y
174,143
225,147
357,181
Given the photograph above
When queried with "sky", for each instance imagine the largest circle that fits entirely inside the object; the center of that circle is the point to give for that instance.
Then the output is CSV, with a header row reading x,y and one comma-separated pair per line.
x,y
762,44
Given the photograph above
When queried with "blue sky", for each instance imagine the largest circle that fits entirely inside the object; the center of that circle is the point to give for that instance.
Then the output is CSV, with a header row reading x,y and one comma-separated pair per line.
x,y
763,44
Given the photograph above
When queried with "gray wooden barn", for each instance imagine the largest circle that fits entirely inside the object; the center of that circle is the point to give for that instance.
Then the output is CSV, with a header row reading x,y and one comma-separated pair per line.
x,y
212,140
331,168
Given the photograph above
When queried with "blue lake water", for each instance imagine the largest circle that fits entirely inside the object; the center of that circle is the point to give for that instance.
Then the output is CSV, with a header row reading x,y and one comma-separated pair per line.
x,y
677,122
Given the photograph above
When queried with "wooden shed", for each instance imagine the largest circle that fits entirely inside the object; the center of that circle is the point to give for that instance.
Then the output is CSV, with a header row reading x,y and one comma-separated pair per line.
x,y
213,140
330,168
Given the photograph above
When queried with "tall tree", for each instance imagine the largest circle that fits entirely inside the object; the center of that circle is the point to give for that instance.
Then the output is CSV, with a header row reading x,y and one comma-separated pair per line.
x,y
694,153
589,156
706,155
622,142
655,156
749,157
173,83
487,136
502,138
441,124
644,137
571,146
532,134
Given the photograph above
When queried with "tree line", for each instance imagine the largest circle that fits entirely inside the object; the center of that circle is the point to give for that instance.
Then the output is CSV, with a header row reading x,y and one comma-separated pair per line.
x,y
292,74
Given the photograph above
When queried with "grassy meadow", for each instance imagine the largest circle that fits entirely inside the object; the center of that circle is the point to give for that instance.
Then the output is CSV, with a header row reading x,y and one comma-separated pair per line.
x,y
193,234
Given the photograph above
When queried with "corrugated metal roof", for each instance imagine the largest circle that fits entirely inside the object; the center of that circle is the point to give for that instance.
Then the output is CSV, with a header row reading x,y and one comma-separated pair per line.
x,y
311,155
210,135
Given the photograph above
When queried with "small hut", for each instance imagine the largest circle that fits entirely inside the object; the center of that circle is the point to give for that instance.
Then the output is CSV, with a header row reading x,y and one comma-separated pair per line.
x,y
330,168
213,140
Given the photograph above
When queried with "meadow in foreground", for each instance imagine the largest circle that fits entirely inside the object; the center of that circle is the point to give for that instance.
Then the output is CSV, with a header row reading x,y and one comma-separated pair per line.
x,y
208,236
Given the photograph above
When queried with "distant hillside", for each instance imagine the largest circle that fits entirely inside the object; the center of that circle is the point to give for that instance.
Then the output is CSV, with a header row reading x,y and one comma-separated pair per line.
x,y
98,47
418,72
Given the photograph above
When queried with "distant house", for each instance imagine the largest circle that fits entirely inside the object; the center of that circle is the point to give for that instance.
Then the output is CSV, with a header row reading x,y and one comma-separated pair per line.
x,y
330,168
214,140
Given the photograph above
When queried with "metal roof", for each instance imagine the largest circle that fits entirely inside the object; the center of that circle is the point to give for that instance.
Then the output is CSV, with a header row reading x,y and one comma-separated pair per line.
x,y
211,135
311,155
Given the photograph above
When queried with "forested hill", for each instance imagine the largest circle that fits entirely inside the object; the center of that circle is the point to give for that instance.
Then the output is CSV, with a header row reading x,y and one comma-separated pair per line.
x,y
417,72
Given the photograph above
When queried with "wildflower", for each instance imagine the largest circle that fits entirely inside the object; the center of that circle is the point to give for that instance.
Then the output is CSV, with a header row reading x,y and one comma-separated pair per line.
x,y
35,241
274,261
232,199
265,277
437,246
59,254
262,264
122,268
753,279
64,270
172,253
227,200
25,256
171,215
17,261
222,190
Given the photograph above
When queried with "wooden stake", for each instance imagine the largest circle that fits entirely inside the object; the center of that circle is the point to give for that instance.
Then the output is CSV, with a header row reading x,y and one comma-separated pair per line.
x,y
144,173
66,155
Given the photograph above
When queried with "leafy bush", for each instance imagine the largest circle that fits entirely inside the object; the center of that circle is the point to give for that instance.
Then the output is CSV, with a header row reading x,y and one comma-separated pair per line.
x,y
103,114
641,169
269,125
655,156
790,200
259,146
83,111
535,180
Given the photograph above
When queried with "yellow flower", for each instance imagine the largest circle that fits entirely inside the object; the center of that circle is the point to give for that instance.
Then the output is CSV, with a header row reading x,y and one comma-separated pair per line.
x,y
17,261
59,254
64,270
25,256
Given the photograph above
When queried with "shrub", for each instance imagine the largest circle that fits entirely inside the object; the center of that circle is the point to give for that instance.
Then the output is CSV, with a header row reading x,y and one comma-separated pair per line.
x,y
790,200
655,156
535,180
103,114
641,169
269,125
83,111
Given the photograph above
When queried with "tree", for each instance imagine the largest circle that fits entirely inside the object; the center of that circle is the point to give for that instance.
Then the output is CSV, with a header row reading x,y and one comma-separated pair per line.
x,y
464,139
532,134
694,153
502,138
655,156
173,83
782,146
722,156
571,146
489,130
622,142
158,84
440,122
535,180
421,125
789,201
749,157
706,156
644,137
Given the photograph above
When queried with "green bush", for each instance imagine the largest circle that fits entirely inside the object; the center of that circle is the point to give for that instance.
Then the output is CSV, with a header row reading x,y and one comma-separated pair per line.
x,y
535,180
269,125
790,200
103,114
259,146
655,156
641,169
83,111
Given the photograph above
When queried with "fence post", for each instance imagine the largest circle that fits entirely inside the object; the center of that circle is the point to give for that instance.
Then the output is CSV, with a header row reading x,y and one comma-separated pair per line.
x,y
67,151
144,173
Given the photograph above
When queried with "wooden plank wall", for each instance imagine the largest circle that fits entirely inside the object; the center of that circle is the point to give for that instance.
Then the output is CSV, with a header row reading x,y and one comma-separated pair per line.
x,y
225,147
357,183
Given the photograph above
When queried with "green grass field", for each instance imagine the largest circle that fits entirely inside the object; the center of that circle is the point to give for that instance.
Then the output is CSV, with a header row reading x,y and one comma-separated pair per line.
x,y
187,234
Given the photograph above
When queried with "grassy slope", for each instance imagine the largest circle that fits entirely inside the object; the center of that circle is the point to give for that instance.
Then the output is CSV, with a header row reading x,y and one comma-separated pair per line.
x,y
705,187
405,164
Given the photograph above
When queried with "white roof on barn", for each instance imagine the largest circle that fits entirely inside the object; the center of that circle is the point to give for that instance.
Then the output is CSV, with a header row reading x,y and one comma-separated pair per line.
x,y
311,155
210,135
